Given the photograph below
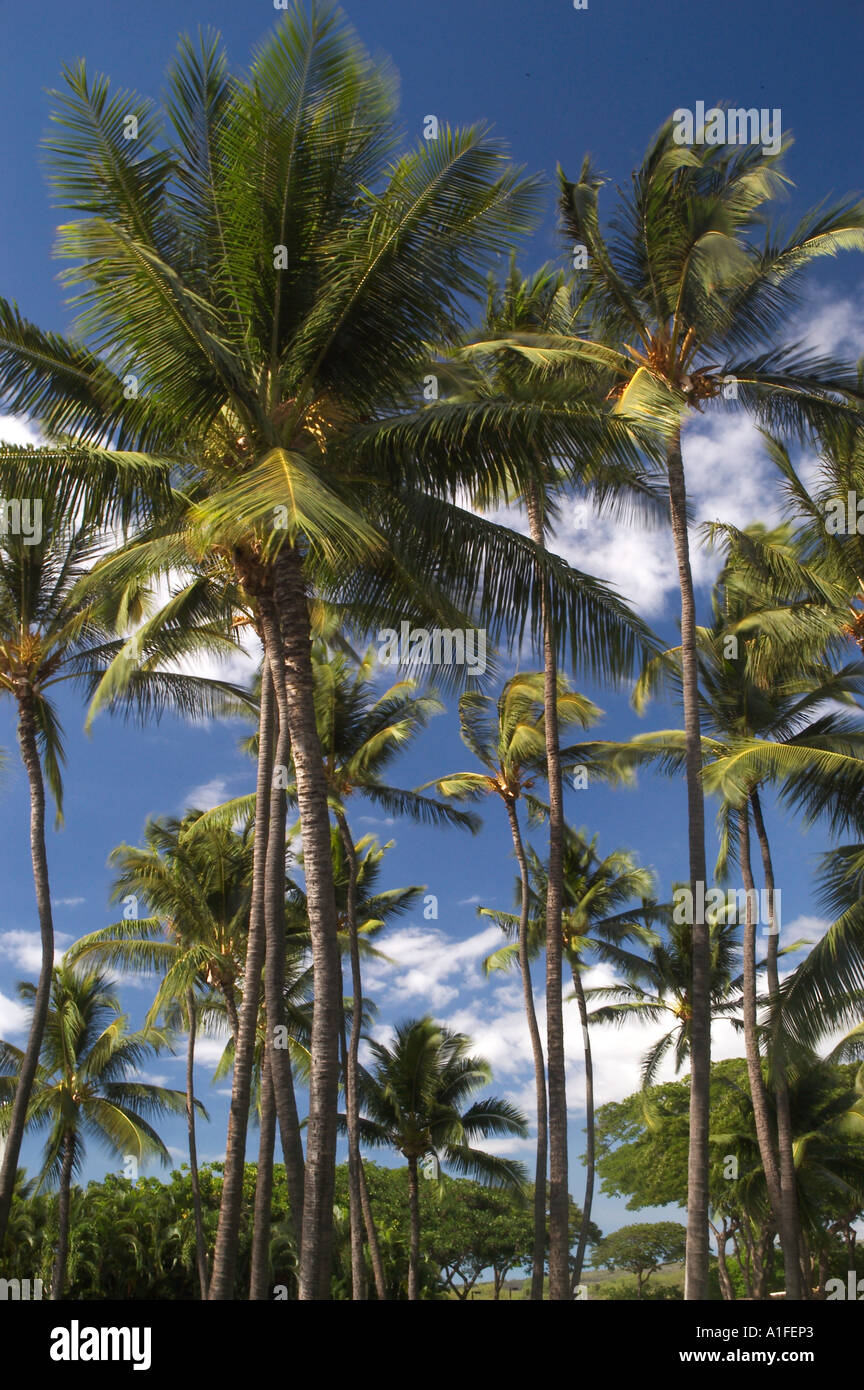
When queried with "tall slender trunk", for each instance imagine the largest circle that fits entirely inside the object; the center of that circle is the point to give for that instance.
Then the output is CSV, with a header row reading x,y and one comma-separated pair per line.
x,y
589,1129
58,1278
274,966
414,1237
259,1281
746,1262
763,1260
372,1238
789,1221
807,1265
539,1247
823,1272
726,1288
559,1196
18,1118
227,992
227,1234
352,1107
758,1093
316,1251
696,1262
200,1244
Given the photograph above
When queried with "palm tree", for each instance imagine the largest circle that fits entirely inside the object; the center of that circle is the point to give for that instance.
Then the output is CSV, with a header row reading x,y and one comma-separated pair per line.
x,y
414,1102
50,632
363,912
244,347
197,888
510,741
593,889
759,698
288,474
825,991
296,1015
83,1087
524,419
659,990
687,278
360,733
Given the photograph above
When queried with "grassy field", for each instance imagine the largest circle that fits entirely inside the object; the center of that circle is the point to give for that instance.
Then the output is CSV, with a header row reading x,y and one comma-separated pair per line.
x,y
596,1279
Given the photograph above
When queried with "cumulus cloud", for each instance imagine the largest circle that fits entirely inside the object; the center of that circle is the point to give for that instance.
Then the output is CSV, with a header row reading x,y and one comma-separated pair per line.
x,y
426,964
830,323
729,478
445,975
209,1050
208,795
24,948
14,1017
238,667
804,928
14,430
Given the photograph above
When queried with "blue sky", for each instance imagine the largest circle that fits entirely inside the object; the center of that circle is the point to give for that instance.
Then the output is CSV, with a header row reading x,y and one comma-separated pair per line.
x,y
554,83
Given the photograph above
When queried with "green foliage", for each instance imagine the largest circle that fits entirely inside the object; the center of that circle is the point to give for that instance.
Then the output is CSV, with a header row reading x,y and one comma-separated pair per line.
x,y
642,1248
136,1240
626,1290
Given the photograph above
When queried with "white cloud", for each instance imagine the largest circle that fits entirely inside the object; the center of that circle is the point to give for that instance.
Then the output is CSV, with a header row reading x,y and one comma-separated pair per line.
x,y
67,902
237,667
18,431
208,795
729,478
428,965
209,1050
804,928
24,948
831,324
14,1017
135,979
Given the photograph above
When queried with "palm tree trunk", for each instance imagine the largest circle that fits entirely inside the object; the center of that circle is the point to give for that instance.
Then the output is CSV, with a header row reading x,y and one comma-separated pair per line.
x,y
316,1251
274,966
589,1130
225,1253
200,1245
751,1033
790,1223
260,1262
227,992
414,1241
696,1263
559,1203
726,1288
355,1204
352,1108
58,1278
539,1247
18,1118
372,1238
